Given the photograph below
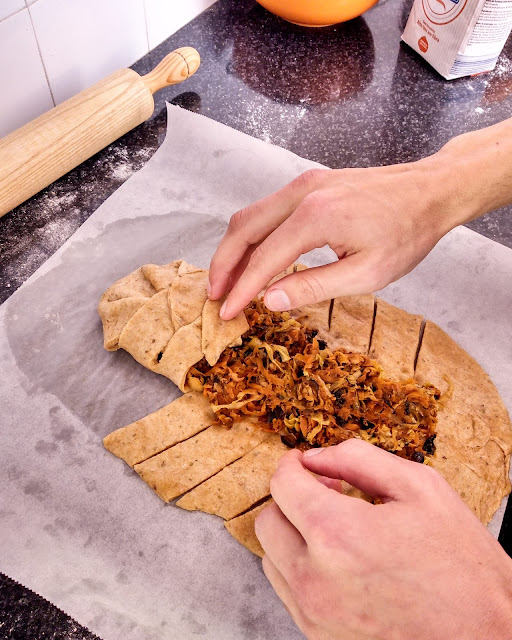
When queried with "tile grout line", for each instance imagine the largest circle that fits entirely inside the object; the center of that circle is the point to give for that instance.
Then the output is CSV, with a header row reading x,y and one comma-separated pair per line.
x,y
145,23
41,57
14,13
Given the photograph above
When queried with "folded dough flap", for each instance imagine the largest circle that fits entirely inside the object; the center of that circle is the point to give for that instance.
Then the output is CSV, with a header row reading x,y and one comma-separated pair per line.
x,y
161,276
162,316
148,332
217,334
115,316
185,417
134,284
239,485
125,297
187,464
187,296
242,529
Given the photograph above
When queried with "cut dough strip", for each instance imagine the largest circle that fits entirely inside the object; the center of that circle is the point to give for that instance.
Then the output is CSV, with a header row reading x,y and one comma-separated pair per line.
x,y
351,323
182,352
187,464
240,485
395,340
314,316
242,529
177,421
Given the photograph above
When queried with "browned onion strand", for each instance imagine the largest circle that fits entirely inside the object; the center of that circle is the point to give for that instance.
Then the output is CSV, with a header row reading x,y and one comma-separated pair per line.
x,y
313,396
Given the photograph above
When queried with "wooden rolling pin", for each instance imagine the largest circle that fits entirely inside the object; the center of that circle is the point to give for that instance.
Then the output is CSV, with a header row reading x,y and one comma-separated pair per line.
x,y
43,150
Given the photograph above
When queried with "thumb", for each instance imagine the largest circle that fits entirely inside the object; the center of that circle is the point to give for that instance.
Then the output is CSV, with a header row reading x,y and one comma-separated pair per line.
x,y
353,275
378,473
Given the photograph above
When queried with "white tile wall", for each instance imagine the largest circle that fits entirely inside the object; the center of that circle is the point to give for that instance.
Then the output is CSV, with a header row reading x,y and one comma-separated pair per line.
x,y
165,15
52,49
8,7
99,37
25,93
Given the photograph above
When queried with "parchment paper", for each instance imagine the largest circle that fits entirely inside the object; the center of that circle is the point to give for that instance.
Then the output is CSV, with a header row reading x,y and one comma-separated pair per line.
x,y
76,524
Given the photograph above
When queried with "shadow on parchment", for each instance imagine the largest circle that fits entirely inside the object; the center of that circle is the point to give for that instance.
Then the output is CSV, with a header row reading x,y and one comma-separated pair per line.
x,y
55,333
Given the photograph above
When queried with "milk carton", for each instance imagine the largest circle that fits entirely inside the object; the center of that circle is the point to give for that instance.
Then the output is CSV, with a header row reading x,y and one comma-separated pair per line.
x,y
459,37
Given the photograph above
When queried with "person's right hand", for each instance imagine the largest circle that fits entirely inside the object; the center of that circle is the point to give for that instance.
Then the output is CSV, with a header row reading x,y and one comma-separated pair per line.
x,y
380,222
417,566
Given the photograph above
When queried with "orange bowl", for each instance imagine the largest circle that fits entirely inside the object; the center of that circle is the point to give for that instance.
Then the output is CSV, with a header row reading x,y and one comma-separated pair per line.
x,y
317,13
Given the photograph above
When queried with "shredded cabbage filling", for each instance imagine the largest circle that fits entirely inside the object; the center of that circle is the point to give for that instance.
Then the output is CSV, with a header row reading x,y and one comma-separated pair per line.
x,y
314,396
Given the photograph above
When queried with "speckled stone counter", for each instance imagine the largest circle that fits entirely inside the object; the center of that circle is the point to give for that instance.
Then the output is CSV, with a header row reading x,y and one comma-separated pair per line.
x,y
345,96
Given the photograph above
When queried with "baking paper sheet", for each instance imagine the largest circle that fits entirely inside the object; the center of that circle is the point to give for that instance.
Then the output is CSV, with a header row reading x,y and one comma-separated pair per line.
x,y
76,524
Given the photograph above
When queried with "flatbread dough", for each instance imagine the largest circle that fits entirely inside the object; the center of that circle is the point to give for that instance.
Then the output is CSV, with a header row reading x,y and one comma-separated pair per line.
x,y
115,316
177,421
161,276
182,352
473,429
395,340
187,464
120,302
162,316
148,332
240,485
217,334
351,323
156,314
242,529
314,316
187,296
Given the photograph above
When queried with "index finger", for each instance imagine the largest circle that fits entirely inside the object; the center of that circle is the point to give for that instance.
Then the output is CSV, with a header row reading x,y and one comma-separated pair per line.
x,y
253,224
307,503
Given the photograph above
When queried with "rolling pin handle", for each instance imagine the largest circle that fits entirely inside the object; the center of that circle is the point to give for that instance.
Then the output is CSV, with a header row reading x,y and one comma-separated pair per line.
x,y
174,68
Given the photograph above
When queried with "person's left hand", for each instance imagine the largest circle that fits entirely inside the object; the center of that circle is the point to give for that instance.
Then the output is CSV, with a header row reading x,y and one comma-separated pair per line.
x,y
420,565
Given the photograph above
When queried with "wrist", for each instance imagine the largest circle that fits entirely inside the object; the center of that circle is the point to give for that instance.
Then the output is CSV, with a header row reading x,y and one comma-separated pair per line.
x,y
441,186
479,167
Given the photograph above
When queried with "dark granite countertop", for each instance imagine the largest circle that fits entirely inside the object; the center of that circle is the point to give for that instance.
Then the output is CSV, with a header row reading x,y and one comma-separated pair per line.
x,y
350,95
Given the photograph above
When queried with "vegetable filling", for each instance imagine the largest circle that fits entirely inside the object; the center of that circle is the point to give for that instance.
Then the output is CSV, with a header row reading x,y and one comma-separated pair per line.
x,y
312,396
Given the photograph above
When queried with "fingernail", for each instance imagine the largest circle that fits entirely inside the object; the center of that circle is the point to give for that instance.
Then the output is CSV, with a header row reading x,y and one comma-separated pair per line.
x,y
312,452
223,309
277,300
209,289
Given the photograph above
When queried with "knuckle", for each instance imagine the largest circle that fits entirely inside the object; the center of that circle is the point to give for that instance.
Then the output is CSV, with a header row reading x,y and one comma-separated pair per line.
x,y
258,258
310,178
430,478
421,479
352,445
311,289
317,526
258,264
237,222
314,205
215,265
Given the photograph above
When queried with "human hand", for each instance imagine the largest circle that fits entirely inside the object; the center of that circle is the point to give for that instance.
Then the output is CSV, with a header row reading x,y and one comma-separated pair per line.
x,y
420,565
380,223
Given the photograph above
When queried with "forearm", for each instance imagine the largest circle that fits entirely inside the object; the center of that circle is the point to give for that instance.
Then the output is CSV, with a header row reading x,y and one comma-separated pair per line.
x,y
479,165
